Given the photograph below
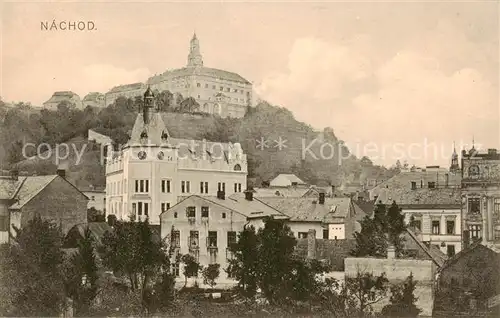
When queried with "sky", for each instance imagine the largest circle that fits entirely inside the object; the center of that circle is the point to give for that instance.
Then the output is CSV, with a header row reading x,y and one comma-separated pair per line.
x,y
395,80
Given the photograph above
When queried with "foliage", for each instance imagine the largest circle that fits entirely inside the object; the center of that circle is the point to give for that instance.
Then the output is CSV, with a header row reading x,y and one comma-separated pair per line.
x,y
31,271
210,273
243,266
93,215
132,251
188,105
366,289
81,275
378,232
191,267
402,300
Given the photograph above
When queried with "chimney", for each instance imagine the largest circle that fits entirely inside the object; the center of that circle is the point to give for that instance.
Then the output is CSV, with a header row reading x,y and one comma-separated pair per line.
x,y
221,195
249,195
14,174
311,244
321,198
61,173
391,252
333,190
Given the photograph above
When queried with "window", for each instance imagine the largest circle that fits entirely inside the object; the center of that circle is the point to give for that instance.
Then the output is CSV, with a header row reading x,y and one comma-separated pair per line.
x,y
450,227
199,96
228,89
198,85
496,207
235,187
175,239
413,185
431,185
185,187
141,186
175,215
175,269
213,86
165,186
450,250
191,212
212,239
92,198
223,215
435,227
221,88
326,234
302,235
206,85
142,207
221,186
193,239
204,211
417,224
204,187
475,231
474,205
231,238
165,206
125,186
4,223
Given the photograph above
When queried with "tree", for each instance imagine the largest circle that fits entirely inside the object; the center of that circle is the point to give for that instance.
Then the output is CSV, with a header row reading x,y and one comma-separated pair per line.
x,y
31,271
132,251
210,274
94,215
378,232
191,267
15,152
82,275
402,300
189,105
243,266
277,245
366,289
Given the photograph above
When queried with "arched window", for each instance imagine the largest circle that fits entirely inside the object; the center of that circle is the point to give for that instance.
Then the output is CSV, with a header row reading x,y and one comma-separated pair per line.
x,y
237,168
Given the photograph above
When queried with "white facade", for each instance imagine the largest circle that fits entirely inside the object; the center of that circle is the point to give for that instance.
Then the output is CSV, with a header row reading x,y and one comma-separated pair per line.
x,y
153,170
439,227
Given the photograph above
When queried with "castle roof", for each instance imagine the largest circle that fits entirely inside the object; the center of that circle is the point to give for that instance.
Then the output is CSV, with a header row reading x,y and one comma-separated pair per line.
x,y
61,96
92,96
127,87
198,71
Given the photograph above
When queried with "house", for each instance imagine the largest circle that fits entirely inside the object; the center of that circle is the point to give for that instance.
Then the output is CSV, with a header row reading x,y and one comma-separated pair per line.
x,y
97,197
52,197
331,218
435,212
468,283
286,180
206,226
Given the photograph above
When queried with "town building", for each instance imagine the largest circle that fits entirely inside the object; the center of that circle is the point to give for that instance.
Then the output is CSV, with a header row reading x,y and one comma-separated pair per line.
x,y
434,213
67,96
481,195
286,180
153,170
52,197
218,92
99,138
93,99
97,197
468,285
206,226
331,218
128,91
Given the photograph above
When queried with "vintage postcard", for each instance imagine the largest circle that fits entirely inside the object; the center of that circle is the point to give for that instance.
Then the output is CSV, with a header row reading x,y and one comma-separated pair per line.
x,y
249,158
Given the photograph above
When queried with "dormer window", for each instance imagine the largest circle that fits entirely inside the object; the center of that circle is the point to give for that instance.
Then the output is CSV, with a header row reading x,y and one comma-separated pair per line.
x,y
237,168
164,135
144,135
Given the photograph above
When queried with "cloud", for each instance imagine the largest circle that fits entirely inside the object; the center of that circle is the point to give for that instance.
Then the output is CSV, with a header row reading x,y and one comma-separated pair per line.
x,y
412,97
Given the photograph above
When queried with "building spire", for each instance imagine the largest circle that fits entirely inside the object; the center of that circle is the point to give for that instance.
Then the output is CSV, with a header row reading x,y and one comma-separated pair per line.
x,y
194,58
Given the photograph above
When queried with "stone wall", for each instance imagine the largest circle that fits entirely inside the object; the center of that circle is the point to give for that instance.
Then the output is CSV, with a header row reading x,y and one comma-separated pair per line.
x,y
397,270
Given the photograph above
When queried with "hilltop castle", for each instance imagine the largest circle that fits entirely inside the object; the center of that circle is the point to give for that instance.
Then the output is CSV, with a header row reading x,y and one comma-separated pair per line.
x,y
218,92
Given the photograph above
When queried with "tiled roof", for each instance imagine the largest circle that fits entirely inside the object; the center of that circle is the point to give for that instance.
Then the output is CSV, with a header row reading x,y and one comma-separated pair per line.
x,y
8,187
127,87
290,192
93,96
251,209
60,96
308,209
291,177
31,186
200,71
154,129
403,180
441,197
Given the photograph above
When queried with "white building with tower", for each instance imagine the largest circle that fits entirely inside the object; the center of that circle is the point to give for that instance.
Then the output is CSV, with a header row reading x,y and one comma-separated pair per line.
x,y
154,170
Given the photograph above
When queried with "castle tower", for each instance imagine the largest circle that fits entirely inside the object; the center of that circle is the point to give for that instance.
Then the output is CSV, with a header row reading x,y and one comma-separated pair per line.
x,y
194,58
455,167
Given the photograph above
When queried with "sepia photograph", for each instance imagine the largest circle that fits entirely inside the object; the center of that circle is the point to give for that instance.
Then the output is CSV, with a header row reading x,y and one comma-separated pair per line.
x,y
250,158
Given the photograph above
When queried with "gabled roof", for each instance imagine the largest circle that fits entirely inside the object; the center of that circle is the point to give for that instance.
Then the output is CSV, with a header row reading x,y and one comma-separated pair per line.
x,y
289,176
478,245
154,129
250,209
422,198
334,210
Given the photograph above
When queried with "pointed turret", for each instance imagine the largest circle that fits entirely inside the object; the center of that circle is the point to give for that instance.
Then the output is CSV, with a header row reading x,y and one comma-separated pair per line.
x,y
454,167
194,58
